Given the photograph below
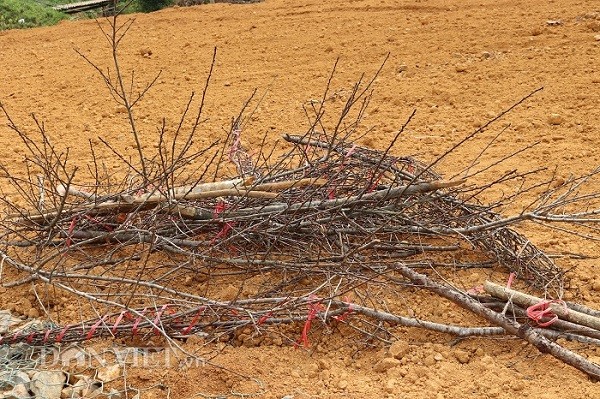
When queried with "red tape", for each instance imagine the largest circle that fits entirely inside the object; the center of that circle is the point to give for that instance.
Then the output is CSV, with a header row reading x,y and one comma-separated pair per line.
x,y
95,327
157,319
136,323
200,312
313,309
114,328
61,335
70,231
543,309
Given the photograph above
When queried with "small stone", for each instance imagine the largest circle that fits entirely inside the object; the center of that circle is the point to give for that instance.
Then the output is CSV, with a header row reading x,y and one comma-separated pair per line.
x,y
487,362
19,391
312,370
113,394
438,357
402,68
399,349
68,393
597,38
429,360
553,22
7,321
343,384
145,52
390,385
323,364
486,55
463,357
386,364
295,374
596,285
10,379
48,384
92,390
109,373
227,84
460,68
555,119
517,386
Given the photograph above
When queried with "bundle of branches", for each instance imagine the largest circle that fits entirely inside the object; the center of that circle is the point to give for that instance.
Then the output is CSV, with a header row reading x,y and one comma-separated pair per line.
x,y
327,219
209,241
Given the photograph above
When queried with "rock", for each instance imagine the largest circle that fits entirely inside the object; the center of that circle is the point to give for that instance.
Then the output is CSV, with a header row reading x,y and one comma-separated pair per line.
x,y
597,37
386,364
429,361
312,370
113,394
402,68
399,349
109,373
343,384
486,55
438,357
85,387
146,52
10,379
463,357
596,285
68,393
92,390
390,385
555,119
19,391
7,321
461,68
48,384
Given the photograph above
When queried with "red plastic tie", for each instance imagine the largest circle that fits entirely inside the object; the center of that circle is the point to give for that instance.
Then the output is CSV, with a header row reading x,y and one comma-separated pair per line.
x,y
16,336
346,314
199,313
46,335
119,318
29,337
511,279
313,309
61,335
70,231
541,310
95,327
227,226
157,319
264,318
134,329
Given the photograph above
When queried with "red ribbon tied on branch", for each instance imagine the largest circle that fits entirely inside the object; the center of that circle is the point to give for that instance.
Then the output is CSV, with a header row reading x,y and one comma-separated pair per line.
x,y
543,309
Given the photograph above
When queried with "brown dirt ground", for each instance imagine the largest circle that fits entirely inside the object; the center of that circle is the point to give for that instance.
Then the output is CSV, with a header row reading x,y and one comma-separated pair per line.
x,y
457,63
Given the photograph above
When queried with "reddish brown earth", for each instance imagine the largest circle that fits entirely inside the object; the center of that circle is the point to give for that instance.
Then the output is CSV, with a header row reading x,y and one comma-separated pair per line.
x,y
457,64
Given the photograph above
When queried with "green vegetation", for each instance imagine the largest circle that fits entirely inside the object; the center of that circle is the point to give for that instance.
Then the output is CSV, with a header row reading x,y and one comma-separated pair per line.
x,y
27,14
153,5
16,14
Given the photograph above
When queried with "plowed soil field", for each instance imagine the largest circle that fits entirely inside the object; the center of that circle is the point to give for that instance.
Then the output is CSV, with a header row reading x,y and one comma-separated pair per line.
x,y
457,63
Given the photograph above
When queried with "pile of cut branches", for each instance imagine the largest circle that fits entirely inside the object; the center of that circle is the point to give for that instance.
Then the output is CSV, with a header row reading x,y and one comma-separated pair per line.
x,y
313,234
